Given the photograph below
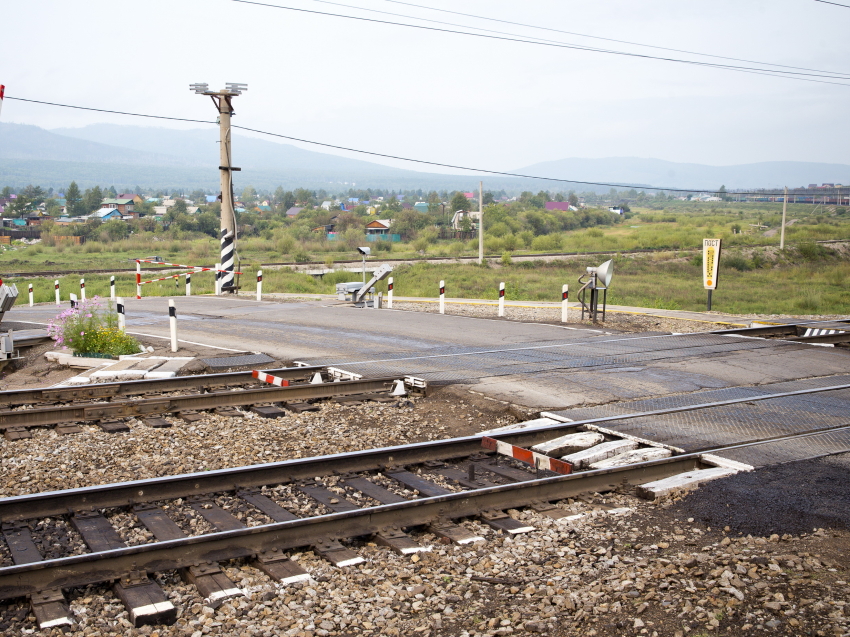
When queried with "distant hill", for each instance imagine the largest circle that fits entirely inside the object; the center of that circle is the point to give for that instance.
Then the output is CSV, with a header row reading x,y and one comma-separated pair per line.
x,y
161,158
657,172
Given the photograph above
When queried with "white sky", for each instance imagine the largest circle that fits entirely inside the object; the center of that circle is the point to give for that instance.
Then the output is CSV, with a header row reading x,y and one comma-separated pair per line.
x,y
448,98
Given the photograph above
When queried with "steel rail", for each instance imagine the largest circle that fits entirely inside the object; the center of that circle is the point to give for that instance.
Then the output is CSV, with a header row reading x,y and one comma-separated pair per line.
x,y
82,412
780,329
90,568
143,386
140,491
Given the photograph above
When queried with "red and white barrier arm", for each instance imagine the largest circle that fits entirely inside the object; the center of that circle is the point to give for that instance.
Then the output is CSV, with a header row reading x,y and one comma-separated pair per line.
x,y
536,460
268,378
195,268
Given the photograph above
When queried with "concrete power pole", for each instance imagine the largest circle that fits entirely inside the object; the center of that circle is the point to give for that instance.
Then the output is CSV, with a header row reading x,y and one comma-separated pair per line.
x,y
224,105
784,210
480,223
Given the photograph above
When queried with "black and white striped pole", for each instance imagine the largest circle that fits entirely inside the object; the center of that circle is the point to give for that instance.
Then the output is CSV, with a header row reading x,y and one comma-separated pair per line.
x,y
259,285
228,256
565,300
30,294
501,299
82,289
390,294
56,291
188,284
119,307
172,318
112,288
442,297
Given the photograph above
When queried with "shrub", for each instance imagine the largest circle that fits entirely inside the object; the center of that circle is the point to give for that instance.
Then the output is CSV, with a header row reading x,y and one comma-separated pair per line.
x,y
506,258
696,260
736,262
91,328
301,256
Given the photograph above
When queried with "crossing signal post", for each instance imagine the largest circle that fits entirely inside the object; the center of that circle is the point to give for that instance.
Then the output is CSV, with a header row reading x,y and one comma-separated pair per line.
x,y
223,101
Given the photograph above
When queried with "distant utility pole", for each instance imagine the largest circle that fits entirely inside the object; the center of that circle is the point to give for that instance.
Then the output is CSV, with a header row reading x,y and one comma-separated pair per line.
x,y
784,210
223,103
480,223
2,92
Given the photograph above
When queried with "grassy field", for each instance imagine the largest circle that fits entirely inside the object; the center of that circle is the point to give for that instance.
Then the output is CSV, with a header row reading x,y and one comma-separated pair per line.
x,y
755,276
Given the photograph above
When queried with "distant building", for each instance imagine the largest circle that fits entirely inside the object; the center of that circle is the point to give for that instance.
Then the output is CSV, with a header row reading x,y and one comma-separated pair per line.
x,y
617,210
560,205
212,198
421,206
131,195
379,226
122,205
293,212
105,214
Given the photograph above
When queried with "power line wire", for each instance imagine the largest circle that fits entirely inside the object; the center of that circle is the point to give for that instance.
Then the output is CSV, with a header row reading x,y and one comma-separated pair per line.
x,y
806,77
846,6
397,157
597,37
103,110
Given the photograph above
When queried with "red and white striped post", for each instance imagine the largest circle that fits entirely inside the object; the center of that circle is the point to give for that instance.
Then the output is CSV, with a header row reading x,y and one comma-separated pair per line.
x,y
30,294
501,299
56,291
138,279
442,297
172,319
119,307
390,294
272,380
188,284
112,288
259,285
82,289
565,299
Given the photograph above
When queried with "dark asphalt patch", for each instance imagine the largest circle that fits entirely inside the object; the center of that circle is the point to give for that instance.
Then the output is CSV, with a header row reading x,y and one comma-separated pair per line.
x,y
794,498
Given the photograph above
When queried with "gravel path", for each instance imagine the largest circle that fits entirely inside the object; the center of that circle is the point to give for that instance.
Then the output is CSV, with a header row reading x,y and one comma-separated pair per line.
x,y
649,571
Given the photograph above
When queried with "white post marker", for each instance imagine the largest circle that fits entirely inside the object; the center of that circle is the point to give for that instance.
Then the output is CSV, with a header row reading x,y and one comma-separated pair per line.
x,y
112,288
188,284
565,299
82,289
56,290
501,299
442,297
73,299
30,294
138,279
259,285
119,307
217,279
390,294
172,318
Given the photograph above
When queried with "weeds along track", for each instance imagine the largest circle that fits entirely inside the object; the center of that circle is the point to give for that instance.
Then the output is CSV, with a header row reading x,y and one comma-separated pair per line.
x,y
399,497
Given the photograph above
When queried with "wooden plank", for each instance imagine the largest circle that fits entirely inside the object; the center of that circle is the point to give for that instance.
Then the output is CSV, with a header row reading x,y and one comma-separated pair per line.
x,y
583,459
632,457
222,520
267,505
683,481
510,473
21,546
570,443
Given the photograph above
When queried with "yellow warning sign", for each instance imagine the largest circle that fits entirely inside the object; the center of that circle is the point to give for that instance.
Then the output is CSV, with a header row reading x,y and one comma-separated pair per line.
x,y
710,262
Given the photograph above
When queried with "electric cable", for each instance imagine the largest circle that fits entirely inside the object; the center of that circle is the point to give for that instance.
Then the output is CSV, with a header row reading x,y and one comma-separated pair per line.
x,y
408,159
806,77
846,6
597,37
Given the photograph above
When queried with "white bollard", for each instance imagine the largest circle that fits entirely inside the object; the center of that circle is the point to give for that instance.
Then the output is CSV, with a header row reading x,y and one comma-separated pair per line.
x,y
188,284
442,297
172,318
30,294
217,279
73,299
380,300
259,285
390,294
119,307
138,279
82,289
112,288
56,290
565,299
501,299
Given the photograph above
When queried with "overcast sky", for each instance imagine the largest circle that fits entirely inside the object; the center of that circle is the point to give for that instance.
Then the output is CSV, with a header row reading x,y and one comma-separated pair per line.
x,y
443,97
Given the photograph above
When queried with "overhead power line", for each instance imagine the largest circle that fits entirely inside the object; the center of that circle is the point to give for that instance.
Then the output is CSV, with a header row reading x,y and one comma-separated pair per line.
x,y
846,6
597,37
398,157
797,75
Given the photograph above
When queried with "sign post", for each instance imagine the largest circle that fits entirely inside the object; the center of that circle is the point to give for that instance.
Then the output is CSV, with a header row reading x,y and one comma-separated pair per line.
x,y
710,262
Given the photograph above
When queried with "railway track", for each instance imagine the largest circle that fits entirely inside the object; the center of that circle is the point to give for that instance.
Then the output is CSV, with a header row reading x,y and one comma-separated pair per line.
x,y
109,404
192,523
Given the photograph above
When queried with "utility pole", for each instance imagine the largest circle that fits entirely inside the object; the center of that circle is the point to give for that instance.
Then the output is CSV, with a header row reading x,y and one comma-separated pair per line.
x,y
480,223
784,210
224,105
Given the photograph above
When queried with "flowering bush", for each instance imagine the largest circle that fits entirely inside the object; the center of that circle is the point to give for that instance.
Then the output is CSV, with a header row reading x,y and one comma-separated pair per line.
x,y
91,328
